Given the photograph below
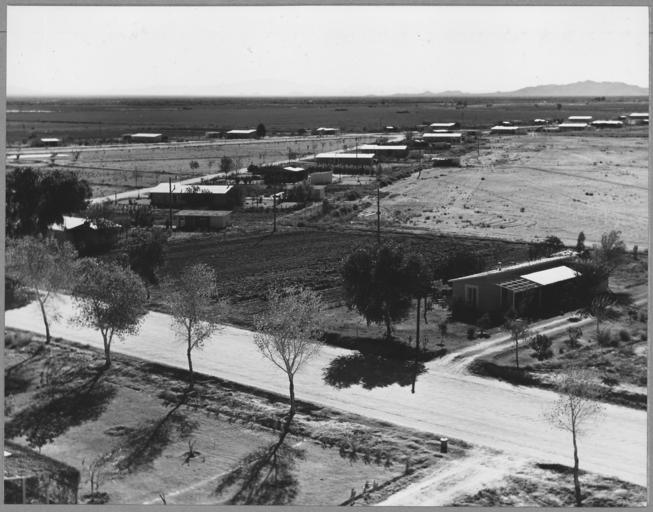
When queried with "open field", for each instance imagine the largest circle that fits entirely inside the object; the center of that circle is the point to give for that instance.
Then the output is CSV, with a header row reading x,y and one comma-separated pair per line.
x,y
223,421
107,118
525,188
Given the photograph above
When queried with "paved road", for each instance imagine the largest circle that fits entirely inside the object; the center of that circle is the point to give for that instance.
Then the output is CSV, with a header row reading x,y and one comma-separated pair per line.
x,y
481,411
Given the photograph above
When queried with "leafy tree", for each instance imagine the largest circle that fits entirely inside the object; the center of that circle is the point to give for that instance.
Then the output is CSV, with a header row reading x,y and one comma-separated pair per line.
x,y
43,266
519,331
574,409
541,345
599,308
35,199
110,298
377,285
190,298
287,333
611,250
260,130
580,243
226,164
194,164
300,192
460,263
419,279
145,252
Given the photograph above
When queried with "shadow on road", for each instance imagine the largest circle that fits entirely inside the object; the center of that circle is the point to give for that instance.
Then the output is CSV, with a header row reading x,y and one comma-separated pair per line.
x,y
371,371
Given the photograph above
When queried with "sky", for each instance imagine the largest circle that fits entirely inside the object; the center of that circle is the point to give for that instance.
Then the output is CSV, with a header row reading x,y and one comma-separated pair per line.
x,y
318,50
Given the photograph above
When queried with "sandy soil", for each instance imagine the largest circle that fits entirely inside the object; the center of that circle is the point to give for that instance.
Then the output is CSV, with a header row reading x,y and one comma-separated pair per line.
x,y
480,411
525,188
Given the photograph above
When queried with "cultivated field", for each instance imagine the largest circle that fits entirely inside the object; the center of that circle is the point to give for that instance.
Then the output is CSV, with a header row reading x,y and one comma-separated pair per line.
x,y
98,119
526,188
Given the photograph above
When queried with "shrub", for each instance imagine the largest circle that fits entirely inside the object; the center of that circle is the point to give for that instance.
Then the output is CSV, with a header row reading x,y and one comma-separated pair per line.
x,y
352,195
541,345
643,316
603,337
471,333
624,335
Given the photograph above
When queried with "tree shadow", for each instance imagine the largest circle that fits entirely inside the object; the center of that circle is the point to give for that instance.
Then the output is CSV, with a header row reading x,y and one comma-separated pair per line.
x,y
371,371
143,444
265,476
70,399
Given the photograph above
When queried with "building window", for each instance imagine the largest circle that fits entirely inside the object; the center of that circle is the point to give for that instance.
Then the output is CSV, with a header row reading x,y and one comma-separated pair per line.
x,y
471,295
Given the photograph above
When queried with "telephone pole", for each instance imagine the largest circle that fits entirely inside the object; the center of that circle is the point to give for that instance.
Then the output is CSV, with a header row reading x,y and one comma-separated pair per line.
x,y
378,207
170,202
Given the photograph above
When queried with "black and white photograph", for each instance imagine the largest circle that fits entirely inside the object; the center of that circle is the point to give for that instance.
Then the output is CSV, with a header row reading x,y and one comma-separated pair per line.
x,y
326,255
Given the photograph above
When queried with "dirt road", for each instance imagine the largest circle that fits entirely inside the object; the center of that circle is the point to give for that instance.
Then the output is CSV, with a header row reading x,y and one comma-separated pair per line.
x,y
481,411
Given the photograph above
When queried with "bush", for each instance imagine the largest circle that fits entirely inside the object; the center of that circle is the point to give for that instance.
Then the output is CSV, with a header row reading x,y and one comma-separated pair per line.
x,y
643,316
541,344
603,337
624,335
352,195
471,333
573,333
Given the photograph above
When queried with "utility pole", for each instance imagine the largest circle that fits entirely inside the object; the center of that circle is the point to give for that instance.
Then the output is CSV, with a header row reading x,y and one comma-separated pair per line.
x,y
170,202
274,212
378,207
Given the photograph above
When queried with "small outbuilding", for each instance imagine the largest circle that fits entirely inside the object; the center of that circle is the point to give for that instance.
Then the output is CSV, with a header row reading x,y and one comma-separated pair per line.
x,y
88,236
146,137
326,131
321,178
638,118
608,123
447,127
579,119
506,130
358,159
32,478
392,150
570,127
218,197
213,135
190,220
450,137
241,134
49,141
535,283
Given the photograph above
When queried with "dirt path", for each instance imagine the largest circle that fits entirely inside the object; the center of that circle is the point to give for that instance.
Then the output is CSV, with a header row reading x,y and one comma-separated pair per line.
x,y
481,411
466,475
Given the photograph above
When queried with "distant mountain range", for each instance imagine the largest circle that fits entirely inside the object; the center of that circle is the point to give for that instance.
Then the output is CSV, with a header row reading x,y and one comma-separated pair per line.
x,y
586,88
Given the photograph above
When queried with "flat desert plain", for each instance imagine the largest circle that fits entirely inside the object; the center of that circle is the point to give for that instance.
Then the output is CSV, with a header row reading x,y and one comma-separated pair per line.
x,y
529,187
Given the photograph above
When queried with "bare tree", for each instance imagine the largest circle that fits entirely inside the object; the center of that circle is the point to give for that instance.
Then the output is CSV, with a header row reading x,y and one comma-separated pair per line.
x,y
287,332
191,301
599,308
110,298
519,331
42,266
574,409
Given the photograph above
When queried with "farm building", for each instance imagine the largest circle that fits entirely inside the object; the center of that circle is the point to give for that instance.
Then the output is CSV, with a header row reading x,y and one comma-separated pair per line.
x,y
326,131
506,130
451,137
536,283
88,237
218,197
146,137
49,141
638,118
190,220
398,151
213,135
539,121
579,119
447,127
30,477
292,174
345,158
390,128
321,178
599,123
440,161
567,127
241,134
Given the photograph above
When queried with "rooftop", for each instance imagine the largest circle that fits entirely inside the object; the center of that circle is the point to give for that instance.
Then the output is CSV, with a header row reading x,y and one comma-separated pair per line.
x,y
579,118
376,147
202,213
152,135
638,114
504,128
181,188
443,125
49,139
242,131
518,266
551,275
440,135
294,169
573,125
353,156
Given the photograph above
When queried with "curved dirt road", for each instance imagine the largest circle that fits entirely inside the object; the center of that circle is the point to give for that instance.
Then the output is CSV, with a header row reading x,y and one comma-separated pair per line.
x,y
481,411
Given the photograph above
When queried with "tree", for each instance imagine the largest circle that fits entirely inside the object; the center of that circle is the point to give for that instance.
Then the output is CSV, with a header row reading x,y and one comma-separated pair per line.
x,y
519,331
43,266
145,251
194,165
574,409
460,263
419,278
226,164
190,298
484,323
35,199
541,345
377,285
580,243
260,130
599,308
110,298
287,333
611,250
